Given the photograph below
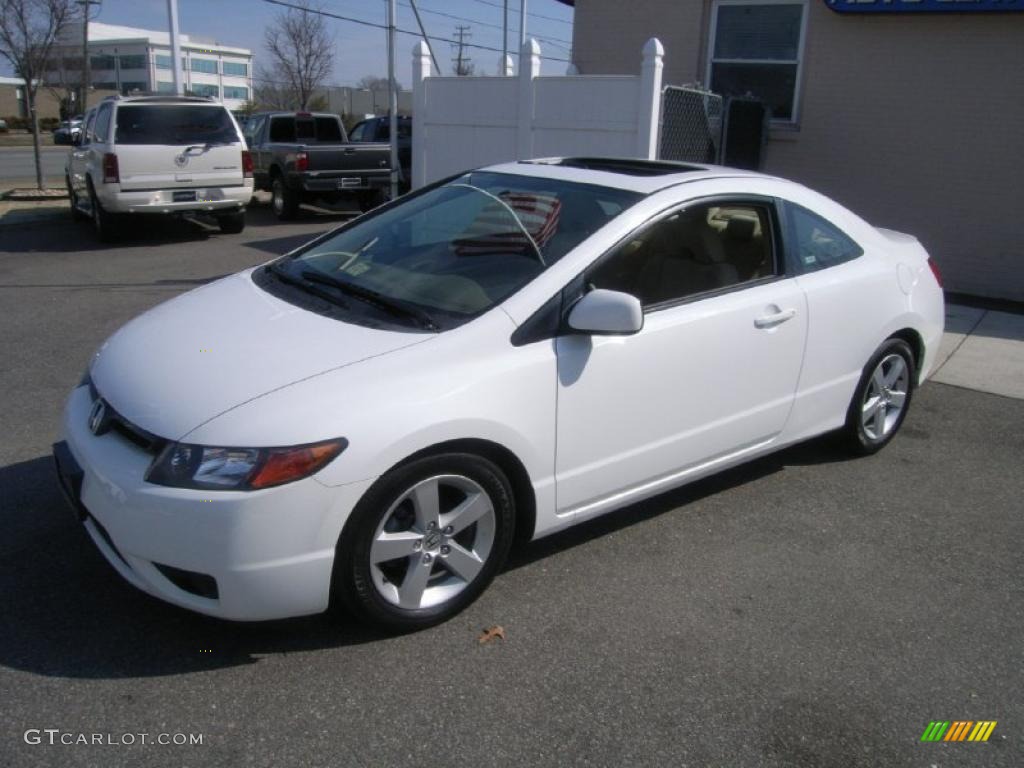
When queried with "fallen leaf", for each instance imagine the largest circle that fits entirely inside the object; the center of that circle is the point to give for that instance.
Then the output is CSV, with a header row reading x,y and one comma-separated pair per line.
x,y
492,632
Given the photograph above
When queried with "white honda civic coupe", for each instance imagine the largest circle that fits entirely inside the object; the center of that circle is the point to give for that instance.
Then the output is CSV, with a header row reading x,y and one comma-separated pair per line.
x,y
372,418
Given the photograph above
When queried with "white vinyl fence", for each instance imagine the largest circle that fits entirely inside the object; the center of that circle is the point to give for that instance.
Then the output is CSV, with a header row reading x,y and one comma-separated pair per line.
x,y
465,122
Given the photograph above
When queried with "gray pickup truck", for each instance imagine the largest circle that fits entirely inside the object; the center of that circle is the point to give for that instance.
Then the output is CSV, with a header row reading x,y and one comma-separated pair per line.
x,y
303,156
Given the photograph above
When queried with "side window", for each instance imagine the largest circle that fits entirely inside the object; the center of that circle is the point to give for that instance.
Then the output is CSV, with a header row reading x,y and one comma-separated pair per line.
x,y
102,130
705,247
90,120
357,132
253,128
282,129
815,243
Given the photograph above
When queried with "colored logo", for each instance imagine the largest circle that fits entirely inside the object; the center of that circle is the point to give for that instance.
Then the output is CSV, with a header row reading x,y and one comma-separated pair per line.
x,y
958,730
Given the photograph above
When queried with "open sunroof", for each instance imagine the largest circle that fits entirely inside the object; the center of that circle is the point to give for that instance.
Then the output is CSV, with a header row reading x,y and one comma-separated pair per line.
x,y
624,165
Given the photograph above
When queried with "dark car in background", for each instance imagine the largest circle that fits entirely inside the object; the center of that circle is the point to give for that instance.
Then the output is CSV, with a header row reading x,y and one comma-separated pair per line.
x,y
378,129
304,156
67,131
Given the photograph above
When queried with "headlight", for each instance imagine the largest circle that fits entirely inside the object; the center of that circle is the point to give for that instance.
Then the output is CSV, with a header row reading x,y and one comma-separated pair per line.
x,y
182,465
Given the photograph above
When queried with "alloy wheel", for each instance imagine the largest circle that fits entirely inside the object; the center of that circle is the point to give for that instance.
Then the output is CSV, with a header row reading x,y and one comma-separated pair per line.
x,y
885,397
432,542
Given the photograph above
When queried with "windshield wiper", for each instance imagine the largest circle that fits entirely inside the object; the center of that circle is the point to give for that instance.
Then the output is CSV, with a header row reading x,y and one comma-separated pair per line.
x,y
394,306
287,277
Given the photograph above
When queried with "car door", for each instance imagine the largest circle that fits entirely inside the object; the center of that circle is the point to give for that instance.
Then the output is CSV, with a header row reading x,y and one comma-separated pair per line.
x,y
711,376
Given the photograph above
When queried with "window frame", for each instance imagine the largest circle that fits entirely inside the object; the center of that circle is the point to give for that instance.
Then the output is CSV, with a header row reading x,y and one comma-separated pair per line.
x,y
794,119
194,60
245,97
777,239
224,64
100,113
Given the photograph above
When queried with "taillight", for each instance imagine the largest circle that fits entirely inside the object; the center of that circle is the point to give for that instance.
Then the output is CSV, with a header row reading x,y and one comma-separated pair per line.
x,y
301,162
111,174
246,163
935,271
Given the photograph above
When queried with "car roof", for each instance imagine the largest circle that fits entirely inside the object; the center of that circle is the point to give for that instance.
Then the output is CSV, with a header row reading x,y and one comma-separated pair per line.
x,y
151,99
643,176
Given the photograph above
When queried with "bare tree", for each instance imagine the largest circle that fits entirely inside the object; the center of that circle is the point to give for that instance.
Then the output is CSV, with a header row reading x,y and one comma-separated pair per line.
x,y
301,51
374,83
270,93
28,29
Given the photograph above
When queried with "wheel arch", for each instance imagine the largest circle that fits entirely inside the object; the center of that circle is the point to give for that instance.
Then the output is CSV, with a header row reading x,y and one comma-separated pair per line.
x,y
916,342
506,460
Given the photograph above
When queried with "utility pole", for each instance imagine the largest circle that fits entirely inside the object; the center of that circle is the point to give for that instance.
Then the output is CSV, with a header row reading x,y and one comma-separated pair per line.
x,y
463,66
522,23
86,68
392,100
172,13
504,32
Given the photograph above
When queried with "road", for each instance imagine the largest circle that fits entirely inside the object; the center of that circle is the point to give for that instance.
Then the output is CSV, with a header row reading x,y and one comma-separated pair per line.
x,y
805,610
18,164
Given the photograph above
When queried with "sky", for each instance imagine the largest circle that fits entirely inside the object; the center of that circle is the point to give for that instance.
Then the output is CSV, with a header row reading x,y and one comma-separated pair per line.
x,y
361,50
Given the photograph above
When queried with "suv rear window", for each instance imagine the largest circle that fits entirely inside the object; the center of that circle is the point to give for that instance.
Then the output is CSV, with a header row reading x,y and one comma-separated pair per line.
x,y
173,124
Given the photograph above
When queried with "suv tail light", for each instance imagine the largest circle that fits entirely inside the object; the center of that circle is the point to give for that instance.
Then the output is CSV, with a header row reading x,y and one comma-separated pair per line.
x,y
301,162
246,164
111,173
935,271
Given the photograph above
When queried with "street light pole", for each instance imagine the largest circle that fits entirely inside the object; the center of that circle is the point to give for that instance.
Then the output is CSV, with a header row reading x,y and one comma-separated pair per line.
x,y
172,13
504,33
522,23
392,99
86,68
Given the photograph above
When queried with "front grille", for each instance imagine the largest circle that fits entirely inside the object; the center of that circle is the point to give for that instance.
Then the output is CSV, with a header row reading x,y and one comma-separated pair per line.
x,y
145,440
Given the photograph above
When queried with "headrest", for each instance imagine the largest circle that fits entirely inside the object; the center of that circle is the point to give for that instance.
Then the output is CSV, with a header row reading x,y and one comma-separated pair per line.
x,y
740,228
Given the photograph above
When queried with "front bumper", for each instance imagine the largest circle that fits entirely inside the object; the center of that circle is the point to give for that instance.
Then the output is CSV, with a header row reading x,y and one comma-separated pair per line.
x,y
268,553
207,199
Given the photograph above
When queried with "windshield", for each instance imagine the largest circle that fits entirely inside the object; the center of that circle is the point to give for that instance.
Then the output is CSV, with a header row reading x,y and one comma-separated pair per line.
x,y
174,124
456,251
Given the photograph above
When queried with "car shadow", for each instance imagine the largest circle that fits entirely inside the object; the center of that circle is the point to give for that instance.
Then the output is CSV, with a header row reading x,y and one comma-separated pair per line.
x,y
67,613
67,236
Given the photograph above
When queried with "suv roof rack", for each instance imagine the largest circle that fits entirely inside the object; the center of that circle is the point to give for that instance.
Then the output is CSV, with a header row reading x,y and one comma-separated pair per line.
x,y
624,165
156,98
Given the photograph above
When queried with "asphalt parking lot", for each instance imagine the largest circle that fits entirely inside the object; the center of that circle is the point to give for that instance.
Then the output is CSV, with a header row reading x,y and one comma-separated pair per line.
x,y
805,610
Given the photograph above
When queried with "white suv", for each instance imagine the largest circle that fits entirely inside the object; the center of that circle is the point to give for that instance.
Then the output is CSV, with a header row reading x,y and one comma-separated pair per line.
x,y
159,154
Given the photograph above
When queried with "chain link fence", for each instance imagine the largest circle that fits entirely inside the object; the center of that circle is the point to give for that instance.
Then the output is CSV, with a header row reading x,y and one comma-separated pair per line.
x,y
691,125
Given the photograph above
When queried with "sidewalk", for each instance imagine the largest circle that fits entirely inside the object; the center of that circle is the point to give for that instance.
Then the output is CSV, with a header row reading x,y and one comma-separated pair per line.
x,y
982,350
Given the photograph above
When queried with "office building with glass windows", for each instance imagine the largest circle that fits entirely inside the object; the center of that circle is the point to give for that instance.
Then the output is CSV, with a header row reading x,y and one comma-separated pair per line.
x,y
130,60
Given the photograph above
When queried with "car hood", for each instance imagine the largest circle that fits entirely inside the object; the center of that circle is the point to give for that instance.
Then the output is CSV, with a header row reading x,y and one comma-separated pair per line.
x,y
214,348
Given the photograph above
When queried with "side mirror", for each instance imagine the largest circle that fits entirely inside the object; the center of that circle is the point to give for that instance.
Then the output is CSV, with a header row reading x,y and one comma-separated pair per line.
x,y
607,313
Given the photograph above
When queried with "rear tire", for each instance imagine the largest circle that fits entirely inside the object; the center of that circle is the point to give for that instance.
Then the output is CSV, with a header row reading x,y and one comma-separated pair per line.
x,y
231,223
283,200
882,398
76,212
103,222
448,521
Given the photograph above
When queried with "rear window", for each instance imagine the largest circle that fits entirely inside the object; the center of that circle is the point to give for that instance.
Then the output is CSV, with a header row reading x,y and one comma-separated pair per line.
x,y
312,129
172,125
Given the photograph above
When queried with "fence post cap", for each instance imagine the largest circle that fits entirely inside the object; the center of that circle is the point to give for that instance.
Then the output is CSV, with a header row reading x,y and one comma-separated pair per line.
x,y
652,48
421,49
531,47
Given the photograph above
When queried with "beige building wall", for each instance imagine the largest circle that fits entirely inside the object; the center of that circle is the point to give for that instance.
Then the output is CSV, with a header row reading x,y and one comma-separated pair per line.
x,y
913,121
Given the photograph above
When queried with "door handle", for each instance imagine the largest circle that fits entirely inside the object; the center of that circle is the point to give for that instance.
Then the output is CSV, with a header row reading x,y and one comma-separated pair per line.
x,y
774,319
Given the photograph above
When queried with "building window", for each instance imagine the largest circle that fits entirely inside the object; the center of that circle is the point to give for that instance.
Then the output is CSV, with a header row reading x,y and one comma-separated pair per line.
x,y
101,62
239,68
163,61
73,64
209,66
105,86
756,48
132,62
235,92
202,89
164,87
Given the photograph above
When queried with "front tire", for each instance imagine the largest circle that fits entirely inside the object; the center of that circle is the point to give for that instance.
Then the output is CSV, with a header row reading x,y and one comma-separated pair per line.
x,y
882,398
425,541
